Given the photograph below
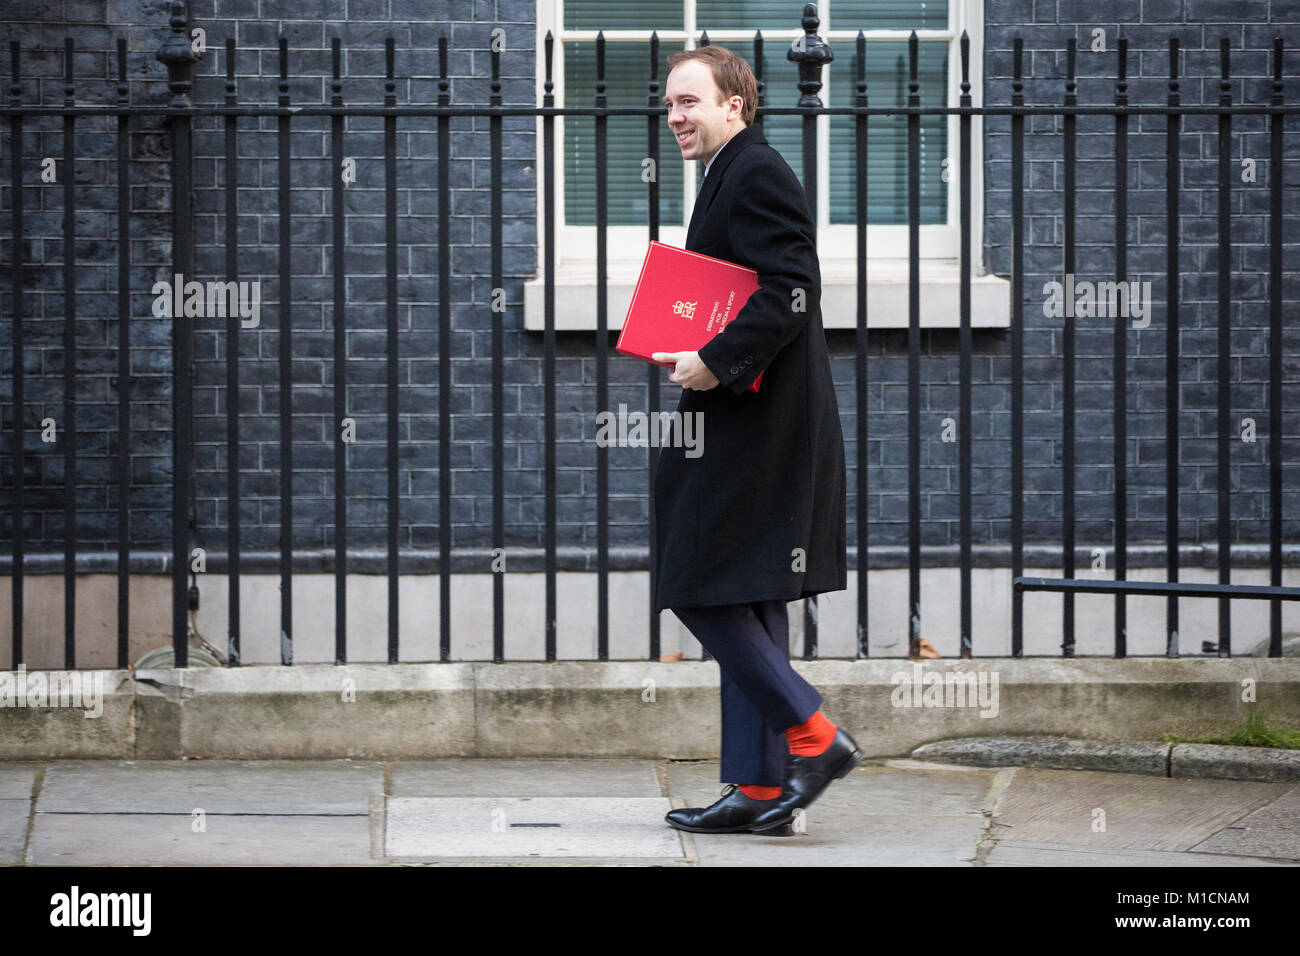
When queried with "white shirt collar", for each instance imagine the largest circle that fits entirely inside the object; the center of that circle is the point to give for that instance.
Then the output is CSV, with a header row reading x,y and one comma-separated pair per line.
x,y
714,157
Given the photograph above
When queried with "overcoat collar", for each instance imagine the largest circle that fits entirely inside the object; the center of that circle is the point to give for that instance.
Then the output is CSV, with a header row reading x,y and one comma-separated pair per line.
x,y
747,136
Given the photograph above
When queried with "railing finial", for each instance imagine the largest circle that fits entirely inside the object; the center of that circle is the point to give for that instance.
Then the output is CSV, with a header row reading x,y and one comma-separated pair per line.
x,y
178,54
811,53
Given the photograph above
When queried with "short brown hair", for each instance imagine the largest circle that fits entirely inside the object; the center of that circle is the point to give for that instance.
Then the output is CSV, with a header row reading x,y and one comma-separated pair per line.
x,y
732,75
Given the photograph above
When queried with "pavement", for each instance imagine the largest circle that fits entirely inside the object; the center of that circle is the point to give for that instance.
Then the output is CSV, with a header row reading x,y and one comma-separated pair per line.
x,y
477,811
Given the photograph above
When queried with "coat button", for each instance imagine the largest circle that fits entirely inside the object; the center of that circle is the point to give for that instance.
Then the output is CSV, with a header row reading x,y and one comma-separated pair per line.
x,y
735,370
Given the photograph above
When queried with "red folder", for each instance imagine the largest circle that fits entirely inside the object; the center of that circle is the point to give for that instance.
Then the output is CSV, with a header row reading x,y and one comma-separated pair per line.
x,y
682,300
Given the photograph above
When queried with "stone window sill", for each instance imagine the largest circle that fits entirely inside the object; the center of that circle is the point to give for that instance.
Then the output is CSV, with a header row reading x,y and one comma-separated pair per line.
x,y
887,295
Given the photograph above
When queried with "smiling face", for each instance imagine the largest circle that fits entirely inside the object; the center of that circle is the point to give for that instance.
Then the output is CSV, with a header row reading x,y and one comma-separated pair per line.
x,y
699,122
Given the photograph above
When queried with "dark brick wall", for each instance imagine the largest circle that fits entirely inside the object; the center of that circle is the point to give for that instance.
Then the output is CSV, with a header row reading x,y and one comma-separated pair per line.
x,y
40,26
1046,26
416,27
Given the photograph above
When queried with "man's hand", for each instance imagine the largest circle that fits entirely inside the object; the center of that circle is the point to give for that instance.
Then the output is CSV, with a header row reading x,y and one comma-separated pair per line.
x,y
688,370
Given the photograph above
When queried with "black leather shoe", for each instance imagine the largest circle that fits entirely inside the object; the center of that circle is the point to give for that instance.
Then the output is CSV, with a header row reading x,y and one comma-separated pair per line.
x,y
806,778
732,814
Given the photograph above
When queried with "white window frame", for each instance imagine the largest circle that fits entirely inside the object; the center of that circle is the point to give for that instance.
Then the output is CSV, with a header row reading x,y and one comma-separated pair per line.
x,y
887,275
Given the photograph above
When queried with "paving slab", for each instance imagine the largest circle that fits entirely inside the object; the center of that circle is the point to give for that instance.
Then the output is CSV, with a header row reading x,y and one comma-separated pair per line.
x,y
531,777
1098,810
1045,854
948,790
876,816
13,829
147,839
263,787
16,778
609,812
1272,831
849,839
524,827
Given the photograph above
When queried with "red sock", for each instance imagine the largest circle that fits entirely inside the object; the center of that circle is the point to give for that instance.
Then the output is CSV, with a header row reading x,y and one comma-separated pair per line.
x,y
759,793
812,737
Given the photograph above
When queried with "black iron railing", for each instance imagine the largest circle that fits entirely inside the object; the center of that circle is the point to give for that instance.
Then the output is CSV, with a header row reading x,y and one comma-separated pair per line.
x,y
181,111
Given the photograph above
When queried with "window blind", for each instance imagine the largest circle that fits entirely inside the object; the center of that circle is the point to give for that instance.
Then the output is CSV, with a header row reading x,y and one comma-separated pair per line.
x,y
887,77
755,14
841,14
627,73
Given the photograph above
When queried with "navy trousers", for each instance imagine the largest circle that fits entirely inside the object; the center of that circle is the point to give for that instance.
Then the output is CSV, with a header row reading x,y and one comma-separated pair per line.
x,y
762,695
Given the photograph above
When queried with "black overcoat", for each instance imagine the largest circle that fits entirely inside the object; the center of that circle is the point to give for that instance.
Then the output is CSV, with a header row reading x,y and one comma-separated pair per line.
x,y
761,513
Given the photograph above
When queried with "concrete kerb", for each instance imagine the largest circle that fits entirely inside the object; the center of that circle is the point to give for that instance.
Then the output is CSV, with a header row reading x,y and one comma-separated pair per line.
x,y
653,709
1156,758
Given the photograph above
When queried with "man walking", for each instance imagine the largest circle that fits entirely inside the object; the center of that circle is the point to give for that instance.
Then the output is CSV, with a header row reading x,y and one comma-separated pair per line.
x,y
758,519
